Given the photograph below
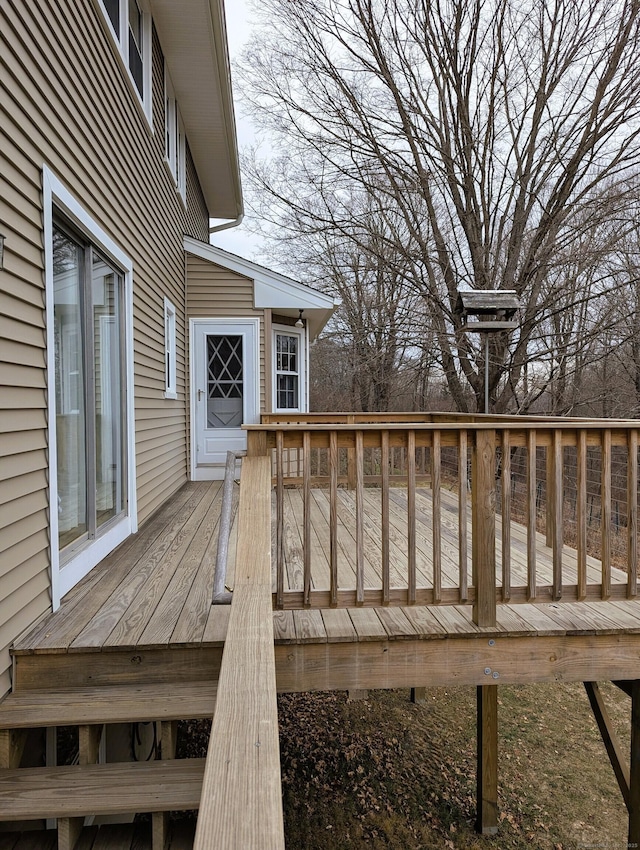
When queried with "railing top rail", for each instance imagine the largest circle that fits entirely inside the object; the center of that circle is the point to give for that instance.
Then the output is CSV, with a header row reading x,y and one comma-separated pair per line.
x,y
494,425
399,418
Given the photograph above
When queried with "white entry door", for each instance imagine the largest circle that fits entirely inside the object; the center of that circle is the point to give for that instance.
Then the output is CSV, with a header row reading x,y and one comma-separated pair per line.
x,y
225,390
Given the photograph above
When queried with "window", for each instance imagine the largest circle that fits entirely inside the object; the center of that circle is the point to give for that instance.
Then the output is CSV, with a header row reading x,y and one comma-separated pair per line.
x,y
131,29
289,375
170,349
175,142
89,352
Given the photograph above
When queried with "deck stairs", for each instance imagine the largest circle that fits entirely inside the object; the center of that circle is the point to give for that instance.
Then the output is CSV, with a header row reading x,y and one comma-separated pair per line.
x,y
71,793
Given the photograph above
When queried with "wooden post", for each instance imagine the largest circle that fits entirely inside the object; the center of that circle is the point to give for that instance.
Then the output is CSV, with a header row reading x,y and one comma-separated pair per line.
x,y
256,443
487,776
634,777
483,499
418,695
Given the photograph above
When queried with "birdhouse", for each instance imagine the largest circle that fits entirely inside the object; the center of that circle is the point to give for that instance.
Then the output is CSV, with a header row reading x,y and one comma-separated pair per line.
x,y
488,310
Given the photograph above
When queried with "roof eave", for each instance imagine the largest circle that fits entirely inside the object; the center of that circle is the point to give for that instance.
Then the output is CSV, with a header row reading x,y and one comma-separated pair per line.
x,y
194,42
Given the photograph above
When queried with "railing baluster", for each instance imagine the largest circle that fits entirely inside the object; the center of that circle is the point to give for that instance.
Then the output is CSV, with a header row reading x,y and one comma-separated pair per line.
x,y
411,515
581,512
531,513
605,513
632,515
556,511
506,516
333,514
384,452
437,517
279,519
306,486
463,571
359,518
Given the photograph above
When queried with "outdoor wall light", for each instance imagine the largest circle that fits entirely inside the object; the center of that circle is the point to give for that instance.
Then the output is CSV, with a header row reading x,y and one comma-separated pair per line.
x,y
299,322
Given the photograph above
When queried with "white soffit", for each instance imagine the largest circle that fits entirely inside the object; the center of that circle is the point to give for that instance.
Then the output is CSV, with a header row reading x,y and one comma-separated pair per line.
x,y
272,290
194,42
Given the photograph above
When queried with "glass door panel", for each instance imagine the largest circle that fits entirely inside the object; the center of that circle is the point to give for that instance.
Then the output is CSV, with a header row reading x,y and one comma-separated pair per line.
x,y
108,397
69,389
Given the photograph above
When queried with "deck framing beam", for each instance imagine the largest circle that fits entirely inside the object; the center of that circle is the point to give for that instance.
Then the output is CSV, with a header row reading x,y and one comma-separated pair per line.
x,y
449,661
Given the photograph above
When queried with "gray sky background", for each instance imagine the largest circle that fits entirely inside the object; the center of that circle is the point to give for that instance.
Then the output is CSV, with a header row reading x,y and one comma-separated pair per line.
x,y
236,239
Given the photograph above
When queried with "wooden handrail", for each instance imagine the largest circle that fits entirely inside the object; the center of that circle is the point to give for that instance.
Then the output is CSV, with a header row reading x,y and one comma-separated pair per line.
x,y
241,803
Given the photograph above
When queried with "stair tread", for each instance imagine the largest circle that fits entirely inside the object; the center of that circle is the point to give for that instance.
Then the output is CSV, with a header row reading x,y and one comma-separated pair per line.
x,y
101,789
108,704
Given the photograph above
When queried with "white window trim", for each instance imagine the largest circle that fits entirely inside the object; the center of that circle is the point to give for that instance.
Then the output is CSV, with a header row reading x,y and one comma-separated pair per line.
x,y
171,389
55,194
122,45
176,157
302,368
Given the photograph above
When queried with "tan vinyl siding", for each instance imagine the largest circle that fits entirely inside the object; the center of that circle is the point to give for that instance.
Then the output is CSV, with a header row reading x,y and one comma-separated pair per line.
x,y
68,103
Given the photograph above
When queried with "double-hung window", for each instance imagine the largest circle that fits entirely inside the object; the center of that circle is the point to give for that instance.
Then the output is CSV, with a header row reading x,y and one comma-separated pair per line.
x,y
288,371
130,26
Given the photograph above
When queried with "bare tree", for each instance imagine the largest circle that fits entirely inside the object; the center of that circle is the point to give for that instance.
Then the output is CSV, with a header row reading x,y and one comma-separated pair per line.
x,y
489,135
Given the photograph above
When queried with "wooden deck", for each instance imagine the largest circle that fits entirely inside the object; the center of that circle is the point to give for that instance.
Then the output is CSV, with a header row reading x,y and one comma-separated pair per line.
x,y
139,636
154,592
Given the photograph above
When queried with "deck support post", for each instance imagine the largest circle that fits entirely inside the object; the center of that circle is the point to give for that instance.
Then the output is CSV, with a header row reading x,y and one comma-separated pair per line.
x,y
634,772
12,744
418,695
69,830
487,771
483,508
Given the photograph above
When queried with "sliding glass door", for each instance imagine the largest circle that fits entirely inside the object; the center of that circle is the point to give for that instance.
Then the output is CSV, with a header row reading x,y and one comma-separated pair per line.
x,y
89,390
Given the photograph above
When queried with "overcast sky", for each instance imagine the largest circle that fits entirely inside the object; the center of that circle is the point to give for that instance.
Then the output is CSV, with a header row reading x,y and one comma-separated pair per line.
x,y
238,15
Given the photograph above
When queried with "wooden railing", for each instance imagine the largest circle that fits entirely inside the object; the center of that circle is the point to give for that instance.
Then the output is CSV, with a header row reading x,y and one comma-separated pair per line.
x,y
241,803
545,501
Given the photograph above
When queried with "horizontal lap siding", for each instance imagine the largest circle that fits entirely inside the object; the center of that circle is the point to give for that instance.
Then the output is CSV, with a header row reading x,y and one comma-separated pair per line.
x,y
66,103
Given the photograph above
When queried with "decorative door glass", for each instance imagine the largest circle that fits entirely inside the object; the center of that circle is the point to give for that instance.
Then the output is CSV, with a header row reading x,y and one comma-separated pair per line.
x,y
225,385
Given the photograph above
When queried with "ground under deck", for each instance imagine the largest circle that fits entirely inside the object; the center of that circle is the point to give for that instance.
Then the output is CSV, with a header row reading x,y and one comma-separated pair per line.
x,y
144,614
